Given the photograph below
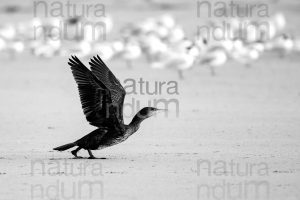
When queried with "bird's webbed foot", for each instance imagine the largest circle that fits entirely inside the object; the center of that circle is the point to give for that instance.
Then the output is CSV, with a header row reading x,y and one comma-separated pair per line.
x,y
74,152
91,155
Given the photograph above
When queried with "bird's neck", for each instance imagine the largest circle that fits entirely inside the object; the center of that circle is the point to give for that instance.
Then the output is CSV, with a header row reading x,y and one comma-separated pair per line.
x,y
136,122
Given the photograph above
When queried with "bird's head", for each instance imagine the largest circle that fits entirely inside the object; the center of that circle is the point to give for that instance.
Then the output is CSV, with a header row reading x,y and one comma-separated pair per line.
x,y
142,115
148,112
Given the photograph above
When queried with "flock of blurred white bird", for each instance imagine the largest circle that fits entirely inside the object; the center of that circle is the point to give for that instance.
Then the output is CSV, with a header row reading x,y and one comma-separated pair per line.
x,y
161,40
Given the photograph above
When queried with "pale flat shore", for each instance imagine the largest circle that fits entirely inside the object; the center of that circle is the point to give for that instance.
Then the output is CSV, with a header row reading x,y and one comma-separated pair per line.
x,y
237,127
236,137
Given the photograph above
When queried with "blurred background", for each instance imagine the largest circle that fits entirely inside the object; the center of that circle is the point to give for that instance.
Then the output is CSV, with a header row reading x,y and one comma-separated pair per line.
x,y
228,71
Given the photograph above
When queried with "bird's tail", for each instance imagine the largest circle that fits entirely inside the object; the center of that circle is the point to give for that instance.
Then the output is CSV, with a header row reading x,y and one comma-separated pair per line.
x,y
65,147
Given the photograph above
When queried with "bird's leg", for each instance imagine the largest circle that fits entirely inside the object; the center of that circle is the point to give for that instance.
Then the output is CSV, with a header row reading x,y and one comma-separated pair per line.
x,y
74,152
180,74
91,155
12,55
212,70
248,65
283,54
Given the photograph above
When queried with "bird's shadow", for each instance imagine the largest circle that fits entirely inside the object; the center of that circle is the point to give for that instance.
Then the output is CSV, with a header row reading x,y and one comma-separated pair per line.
x,y
79,158
83,158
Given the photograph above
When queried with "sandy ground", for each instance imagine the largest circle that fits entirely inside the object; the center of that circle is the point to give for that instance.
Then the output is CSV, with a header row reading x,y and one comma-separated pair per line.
x,y
236,136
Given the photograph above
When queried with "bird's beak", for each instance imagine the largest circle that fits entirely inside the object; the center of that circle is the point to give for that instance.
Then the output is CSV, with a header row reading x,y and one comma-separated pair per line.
x,y
162,110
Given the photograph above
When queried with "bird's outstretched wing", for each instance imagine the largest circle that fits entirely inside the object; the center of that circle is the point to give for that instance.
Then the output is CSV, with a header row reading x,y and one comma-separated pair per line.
x,y
103,73
95,97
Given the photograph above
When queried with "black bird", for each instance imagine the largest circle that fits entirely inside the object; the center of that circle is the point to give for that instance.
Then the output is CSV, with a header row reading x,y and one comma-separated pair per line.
x,y
102,97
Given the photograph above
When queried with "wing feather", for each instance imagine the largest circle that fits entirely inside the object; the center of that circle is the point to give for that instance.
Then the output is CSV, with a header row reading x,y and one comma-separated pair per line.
x,y
94,95
103,73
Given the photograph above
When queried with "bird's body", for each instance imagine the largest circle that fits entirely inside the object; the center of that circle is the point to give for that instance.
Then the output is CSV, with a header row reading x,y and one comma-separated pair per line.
x,y
8,31
180,57
179,61
246,53
102,97
131,52
283,44
105,50
105,137
45,48
213,58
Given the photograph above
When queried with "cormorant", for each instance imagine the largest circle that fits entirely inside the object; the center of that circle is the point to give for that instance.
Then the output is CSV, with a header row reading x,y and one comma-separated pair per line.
x,y
102,97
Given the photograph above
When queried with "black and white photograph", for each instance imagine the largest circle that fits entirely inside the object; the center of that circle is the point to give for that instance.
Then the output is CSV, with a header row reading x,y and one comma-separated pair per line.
x,y
150,100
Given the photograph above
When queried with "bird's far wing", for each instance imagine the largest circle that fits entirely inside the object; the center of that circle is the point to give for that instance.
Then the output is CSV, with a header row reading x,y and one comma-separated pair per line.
x,y
94,95
103,73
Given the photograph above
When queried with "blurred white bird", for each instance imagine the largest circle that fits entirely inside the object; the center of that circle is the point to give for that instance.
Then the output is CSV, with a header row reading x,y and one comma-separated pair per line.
x,y
297,45
279,21
131,51
162,31
267,30
152,46
283,44
167,21
176,60
246,54
11,47
201,43
251,33
104,50
214,57
234,26
3,44
17,46
272,27
81,49
176,34
46,49
118,47
84,49
148,25
30,30
108,50
8,31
